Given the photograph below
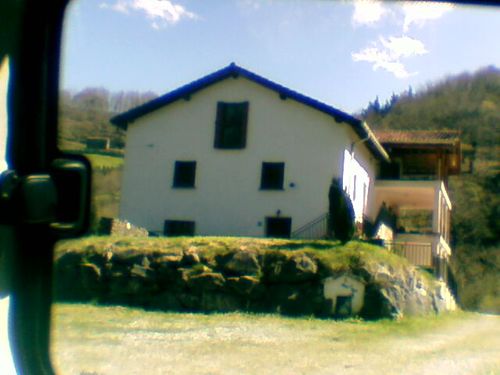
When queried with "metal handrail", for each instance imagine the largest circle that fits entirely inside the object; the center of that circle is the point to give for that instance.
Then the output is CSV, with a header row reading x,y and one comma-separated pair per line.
x,y
316,228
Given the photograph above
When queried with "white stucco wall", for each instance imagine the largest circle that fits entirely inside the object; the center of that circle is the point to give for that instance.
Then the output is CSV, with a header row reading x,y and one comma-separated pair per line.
x,y
227,199
356,181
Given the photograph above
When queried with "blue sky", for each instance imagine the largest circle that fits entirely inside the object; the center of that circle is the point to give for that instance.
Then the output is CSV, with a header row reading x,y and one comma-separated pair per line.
x,y
341,52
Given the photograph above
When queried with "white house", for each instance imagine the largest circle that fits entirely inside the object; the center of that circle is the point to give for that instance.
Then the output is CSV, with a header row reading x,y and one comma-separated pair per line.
x,y
236,154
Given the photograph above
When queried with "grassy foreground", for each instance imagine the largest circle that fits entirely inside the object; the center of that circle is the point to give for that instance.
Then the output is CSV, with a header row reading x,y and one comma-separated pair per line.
x,y
96,340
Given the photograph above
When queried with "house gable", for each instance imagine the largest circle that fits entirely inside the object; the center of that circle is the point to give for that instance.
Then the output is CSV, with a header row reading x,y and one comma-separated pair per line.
x,y
234,71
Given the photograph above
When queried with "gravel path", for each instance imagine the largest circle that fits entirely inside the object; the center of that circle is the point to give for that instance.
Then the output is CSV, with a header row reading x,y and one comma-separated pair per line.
x,y
96,340
468,347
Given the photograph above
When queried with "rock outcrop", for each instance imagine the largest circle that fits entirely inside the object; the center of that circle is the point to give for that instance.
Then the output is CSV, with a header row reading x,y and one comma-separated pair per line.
x,y
265,280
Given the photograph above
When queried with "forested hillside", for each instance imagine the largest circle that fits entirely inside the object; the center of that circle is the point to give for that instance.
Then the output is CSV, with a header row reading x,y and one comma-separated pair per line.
x,y
469,103
86,114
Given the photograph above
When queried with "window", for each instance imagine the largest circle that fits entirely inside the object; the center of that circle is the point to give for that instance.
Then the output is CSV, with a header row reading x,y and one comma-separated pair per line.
x,y
184,174
231,125
278,227
272,176
174,228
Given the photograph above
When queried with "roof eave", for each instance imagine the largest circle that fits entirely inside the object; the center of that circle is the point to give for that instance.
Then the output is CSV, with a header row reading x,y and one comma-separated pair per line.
x,y
122,120
119,122
361,128
444,145
376,148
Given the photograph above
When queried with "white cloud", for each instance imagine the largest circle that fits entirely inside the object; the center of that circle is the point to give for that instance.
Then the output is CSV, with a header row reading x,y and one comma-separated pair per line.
x,y
403,46
386,54
389,53
367,12
419,13
160,12
381,60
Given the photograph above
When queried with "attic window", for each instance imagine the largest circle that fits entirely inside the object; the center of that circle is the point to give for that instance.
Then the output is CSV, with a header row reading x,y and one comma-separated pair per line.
x,y
231,125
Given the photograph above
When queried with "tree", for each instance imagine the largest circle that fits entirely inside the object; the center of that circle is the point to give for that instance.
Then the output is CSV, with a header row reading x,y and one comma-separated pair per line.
x,y
392,102
340,213
410,92
94,99
124,100
376,105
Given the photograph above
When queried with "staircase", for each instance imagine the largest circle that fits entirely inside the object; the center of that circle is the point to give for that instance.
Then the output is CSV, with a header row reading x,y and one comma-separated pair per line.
x,y
315,229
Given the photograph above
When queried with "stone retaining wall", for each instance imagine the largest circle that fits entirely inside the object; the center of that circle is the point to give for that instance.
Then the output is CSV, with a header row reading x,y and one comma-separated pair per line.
x,y
295,283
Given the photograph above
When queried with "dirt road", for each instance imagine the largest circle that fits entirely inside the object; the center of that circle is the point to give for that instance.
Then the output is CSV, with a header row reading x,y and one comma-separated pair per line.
x,y
467,347
97,340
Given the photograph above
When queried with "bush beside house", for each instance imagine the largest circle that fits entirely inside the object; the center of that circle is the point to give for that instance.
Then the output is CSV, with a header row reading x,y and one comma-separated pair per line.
x,y
340,213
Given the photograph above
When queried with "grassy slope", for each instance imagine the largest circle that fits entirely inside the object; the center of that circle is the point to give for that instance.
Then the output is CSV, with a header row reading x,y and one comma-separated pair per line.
x,y
104,161
211,246
106,181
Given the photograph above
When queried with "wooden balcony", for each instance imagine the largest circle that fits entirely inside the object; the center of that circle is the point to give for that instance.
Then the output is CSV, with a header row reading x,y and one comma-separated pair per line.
x,y
399,195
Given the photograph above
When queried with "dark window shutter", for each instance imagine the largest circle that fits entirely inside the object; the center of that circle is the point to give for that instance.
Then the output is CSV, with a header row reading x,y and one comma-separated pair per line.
x,y
231,125
244,120
219,123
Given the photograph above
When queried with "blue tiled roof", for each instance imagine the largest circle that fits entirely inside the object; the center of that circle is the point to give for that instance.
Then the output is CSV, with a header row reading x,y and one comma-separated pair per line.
x,y
234,70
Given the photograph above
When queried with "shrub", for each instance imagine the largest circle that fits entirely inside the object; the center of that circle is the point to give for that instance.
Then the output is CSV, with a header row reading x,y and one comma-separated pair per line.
x,y
340,213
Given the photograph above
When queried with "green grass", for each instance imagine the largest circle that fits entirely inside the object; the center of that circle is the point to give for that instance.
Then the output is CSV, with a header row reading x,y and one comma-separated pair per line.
x,y
83,316
104,161
332,253
119,340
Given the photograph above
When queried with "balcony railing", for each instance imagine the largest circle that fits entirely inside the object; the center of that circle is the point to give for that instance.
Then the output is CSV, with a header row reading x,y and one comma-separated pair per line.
x,y
418,253
315,229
